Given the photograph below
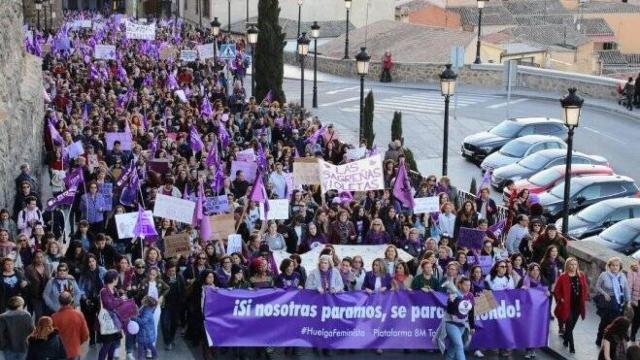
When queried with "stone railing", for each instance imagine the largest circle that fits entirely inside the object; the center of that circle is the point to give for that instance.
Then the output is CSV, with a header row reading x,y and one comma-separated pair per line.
x,y
486,75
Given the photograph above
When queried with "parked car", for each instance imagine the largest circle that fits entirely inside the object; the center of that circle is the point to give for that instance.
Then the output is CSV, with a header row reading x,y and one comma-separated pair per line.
x,y
546,179
520,148
623,237
593,219
539,161
477,146
585,191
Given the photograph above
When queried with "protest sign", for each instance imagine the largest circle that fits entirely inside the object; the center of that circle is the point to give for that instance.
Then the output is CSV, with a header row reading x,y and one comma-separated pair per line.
x,y
306,171
105,52
85,24
168,52
205,51
181,95
357,320
227,51
106,190
246,155
356,154
126,222
74,150
484,303
161,166
216,204
222,226
126,142
234,244
361,175
471,238
188,55
174,208
485,262
176,245
140,31
249,169
426,205
278,209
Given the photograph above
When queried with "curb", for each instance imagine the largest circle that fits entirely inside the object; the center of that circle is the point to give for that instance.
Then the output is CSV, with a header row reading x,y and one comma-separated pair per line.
x,y
553,353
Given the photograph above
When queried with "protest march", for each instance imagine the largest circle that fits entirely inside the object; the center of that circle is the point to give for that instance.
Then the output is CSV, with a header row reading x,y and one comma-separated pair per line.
x,y
183,206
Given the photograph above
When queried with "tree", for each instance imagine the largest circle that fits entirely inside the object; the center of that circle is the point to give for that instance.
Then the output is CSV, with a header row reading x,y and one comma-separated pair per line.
x,y
396,127
367,124
269,52
409,159
473,187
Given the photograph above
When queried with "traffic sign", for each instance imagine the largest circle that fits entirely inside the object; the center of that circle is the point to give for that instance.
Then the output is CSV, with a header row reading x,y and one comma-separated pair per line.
x,y
228,51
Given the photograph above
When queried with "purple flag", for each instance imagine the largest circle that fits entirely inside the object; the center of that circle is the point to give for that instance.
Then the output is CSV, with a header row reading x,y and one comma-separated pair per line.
x,y
263,164
74,177
259,193
225,138
402,187
205,108
212,156
129,195
485,183
498,227
172,83
315,136
124,177
154,147
471,238
144,226
218,180
64,198
197,214
374,150
195,140
205,229
55,135
267,98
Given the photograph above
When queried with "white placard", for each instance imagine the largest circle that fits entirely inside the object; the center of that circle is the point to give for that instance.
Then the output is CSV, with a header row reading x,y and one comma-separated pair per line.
x,y
140,32
126,222
278,209
356,154
75,149
181,95
361,175
205,51
189,55
426,205
234,244
106,52
85,23
246,155
174,208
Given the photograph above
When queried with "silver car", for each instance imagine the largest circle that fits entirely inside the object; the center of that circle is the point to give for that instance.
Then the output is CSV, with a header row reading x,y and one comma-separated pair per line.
x,y
519,148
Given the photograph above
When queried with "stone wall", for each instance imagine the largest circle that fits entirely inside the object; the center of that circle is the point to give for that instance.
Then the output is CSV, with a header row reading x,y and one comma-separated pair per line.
x,y
486,75
592,259
21,103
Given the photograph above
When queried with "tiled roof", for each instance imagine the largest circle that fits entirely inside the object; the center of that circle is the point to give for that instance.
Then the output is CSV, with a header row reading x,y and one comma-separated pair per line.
x,y
543,36
608,7
328,29
491,15
543,19
535,7
595,26
516,12
632,58
611,57
414,5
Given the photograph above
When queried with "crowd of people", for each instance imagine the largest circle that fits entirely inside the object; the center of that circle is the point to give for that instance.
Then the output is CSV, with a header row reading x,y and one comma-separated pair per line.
x,y
126,288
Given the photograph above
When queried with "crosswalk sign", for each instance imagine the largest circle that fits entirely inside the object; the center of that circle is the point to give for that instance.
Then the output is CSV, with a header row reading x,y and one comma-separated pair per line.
x,y
228,51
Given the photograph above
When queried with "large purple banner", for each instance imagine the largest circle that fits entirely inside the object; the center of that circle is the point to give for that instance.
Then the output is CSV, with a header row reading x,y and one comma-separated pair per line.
x,y
356,320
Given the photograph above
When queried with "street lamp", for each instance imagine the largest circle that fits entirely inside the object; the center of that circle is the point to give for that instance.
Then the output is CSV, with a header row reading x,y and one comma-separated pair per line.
x,y
347,5
247,21
362,67
481,4
215,30
447,87
45,3
299,15
252,39
315,34
572,104
229,16
38,8
200,13
303,50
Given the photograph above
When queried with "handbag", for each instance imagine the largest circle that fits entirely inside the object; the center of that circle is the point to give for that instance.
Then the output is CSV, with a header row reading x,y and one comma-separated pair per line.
x,y
108,326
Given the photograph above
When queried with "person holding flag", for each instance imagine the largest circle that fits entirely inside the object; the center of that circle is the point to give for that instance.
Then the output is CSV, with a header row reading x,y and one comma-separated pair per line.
x,y
402,186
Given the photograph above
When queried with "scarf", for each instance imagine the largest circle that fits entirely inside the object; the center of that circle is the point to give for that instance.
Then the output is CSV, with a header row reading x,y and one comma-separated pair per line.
x,y
400,278
325,277
617,286
343,231
529,282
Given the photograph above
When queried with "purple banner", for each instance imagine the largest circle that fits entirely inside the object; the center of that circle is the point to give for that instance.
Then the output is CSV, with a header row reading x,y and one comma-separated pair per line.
x,y
355,320
471,238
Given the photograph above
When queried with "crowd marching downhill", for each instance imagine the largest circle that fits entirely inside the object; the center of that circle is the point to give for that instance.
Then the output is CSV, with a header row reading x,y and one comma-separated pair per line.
x,y
68,277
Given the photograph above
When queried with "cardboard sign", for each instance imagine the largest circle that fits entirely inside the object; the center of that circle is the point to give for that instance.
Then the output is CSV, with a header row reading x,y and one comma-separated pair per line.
x,y
167,52
471,238
205,51
105,52
126,222
189,55
306,171
126,143
361,175
234,244
161,166
74,150
249,169
222,226
484,303
177,245
278,209
216,204
174,208
140,31
426,205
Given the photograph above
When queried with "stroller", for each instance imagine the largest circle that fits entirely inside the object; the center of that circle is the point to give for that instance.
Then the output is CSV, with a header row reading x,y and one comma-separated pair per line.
x,y
622,96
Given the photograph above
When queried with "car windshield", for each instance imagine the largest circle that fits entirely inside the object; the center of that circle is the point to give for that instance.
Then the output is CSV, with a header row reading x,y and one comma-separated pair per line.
x,y
534,161
515,148
619,234
506,129
558,190
545,177
594,213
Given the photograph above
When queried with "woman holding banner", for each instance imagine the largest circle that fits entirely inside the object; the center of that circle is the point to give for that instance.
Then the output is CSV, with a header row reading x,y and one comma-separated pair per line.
x,y
533,280
571,293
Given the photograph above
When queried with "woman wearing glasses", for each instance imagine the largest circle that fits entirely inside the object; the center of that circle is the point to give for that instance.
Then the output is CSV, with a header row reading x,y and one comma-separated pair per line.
x,y
61,282
497,280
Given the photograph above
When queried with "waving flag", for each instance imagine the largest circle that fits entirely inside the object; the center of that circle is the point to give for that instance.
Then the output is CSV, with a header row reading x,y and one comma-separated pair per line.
x,y
205,229
55,135
172,83
64,198
124,177
218,179
205,108
195,140
154,147
197,214
485,183
267,98
74,177
212,156
225,138
259,193
402,187
263,164
315,136
144,226
498,227
129,194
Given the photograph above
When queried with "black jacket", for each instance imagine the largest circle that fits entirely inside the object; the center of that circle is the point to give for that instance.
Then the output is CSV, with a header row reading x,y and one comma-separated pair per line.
x,y
49,349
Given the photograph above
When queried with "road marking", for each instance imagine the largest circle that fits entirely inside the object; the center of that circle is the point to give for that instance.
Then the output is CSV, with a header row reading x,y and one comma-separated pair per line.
x,y
497,106
603,134
333,92
340,101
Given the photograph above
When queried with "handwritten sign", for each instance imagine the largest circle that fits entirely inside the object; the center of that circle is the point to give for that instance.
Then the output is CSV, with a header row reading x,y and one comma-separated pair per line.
x,y
222,226
205,51
177,245
278,209
126,222
426,205
249,169
140,31
234,244
126,143
361,175
471,238
167,52
105,52
306,171
174,208
216,204
188,55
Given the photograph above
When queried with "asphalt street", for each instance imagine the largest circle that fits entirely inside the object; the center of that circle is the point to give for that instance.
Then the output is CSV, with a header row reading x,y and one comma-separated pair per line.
x,y
613,136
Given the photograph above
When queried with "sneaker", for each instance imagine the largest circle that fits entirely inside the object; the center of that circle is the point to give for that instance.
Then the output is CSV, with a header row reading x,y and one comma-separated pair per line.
x,y
478,354
533,354
149,355
379,351
528,355
130,356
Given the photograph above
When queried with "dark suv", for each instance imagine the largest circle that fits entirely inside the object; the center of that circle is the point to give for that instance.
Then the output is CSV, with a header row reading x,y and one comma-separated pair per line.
x,y
585,191
477,146
599,216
